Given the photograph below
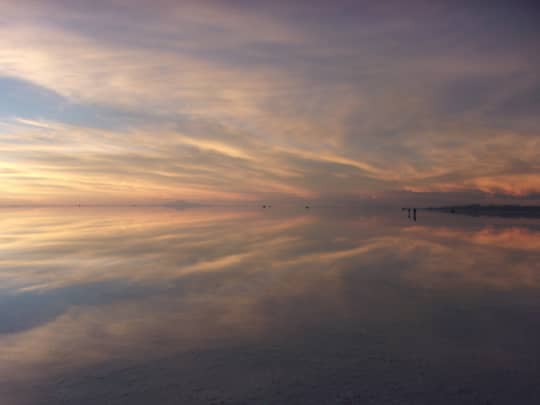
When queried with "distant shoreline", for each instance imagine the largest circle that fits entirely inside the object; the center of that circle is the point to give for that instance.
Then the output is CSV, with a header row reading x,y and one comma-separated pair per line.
x,y
511,211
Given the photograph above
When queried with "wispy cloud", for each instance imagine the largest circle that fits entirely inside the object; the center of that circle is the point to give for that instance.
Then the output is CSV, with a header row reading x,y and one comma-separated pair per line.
x,y
236,101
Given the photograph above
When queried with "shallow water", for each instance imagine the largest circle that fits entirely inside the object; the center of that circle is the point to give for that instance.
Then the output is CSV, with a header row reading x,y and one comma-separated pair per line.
x,y
156,305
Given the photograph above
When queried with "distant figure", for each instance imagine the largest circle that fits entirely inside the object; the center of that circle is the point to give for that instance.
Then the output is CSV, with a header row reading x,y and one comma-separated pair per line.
x,y
414,214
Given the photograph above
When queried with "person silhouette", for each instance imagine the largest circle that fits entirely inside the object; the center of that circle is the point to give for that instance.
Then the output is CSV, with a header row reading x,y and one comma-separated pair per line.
x,y
414,214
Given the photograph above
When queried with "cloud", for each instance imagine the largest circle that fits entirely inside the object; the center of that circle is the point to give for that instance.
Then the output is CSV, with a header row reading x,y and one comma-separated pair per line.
x,y
203,100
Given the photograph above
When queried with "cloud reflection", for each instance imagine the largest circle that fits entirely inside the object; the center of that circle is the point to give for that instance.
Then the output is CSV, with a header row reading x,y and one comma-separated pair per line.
x,y
200,278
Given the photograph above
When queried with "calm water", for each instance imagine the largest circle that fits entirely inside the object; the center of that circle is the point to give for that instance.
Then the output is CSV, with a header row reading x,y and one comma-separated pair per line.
x,y
140,306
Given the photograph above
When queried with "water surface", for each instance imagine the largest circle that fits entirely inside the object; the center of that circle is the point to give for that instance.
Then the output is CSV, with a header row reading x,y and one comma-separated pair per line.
x,y
237,306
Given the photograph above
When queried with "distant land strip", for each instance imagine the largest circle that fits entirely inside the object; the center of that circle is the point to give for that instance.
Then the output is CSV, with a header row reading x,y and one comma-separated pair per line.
x,y
513,211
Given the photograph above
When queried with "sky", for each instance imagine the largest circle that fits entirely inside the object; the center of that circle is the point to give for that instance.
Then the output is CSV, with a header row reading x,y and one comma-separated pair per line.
x,y
246,101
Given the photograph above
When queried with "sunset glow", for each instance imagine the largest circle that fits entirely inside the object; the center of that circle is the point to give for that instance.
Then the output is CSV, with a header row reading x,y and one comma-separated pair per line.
x,y
151,102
